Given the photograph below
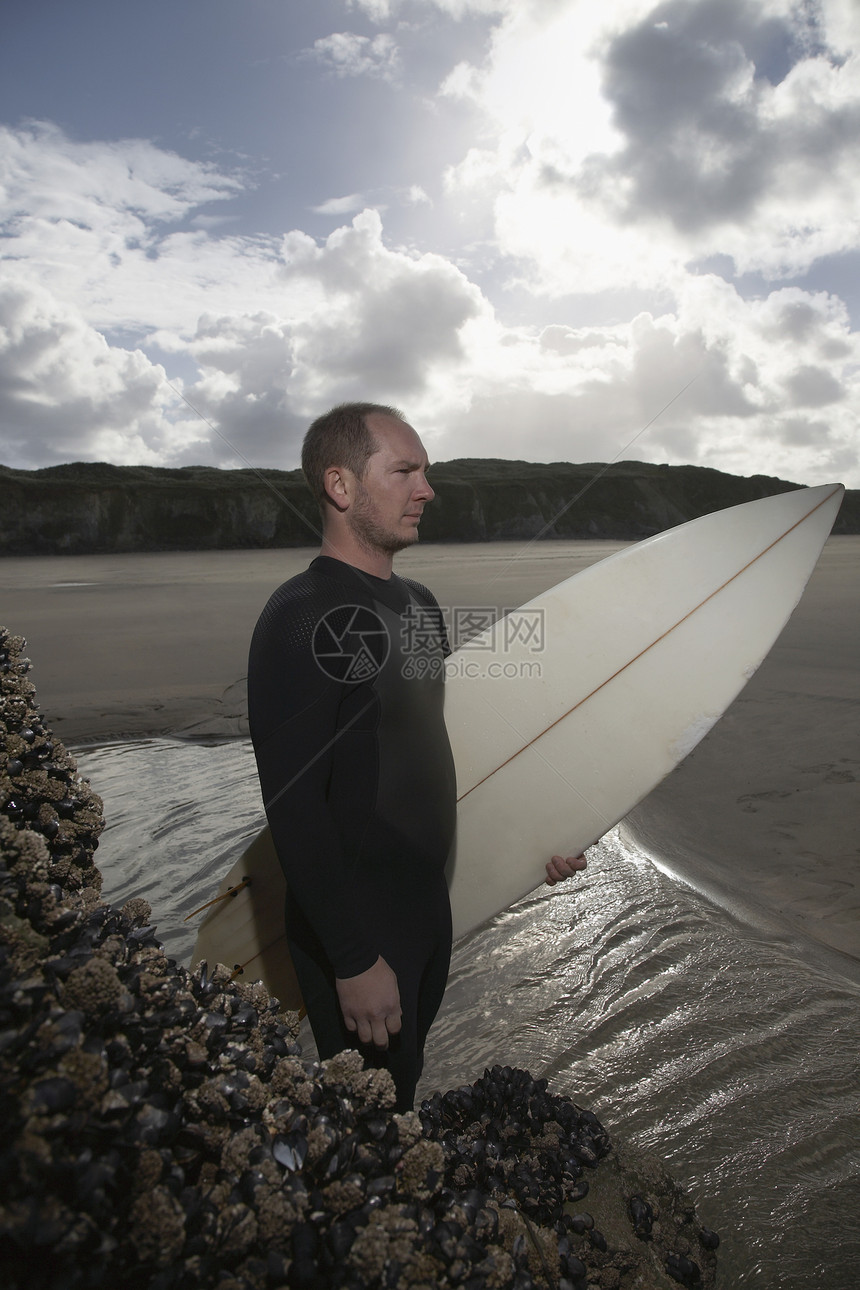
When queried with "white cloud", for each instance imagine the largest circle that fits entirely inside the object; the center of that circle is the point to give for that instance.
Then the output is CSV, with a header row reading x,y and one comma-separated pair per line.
x,y
350,204
340,205
380,11
628,140
757,375
375,323
346,54
375,10
841,20
96,224
66,394
267,332
114,186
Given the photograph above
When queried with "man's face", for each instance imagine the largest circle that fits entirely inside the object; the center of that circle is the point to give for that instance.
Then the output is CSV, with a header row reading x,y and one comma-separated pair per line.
x,y
390,498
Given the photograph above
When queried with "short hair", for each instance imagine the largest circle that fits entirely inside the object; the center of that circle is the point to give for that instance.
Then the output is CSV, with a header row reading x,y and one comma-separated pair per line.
x,y
340,438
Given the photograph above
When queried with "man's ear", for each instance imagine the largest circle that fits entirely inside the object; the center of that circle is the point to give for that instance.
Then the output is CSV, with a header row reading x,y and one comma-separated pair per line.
x,y
337,481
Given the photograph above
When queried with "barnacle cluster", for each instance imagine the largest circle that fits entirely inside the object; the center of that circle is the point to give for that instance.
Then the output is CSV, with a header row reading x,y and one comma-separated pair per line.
x,y
161,1129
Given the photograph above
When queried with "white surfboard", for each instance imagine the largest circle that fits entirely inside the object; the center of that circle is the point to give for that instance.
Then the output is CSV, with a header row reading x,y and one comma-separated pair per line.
x,y
568,712
643,652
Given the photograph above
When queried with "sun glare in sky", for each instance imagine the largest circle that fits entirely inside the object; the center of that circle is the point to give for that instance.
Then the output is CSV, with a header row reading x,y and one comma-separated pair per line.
x,y
538,227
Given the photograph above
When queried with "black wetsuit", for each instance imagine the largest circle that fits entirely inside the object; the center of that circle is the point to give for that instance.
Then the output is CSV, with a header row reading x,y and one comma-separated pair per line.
x,y
345,693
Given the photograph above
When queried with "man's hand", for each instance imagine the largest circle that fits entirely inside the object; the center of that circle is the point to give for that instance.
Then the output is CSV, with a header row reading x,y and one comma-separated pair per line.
x,y
370,1003
560,868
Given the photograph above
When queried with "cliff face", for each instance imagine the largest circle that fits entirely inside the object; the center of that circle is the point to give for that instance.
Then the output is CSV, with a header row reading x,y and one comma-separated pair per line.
x,y
92,507
86,507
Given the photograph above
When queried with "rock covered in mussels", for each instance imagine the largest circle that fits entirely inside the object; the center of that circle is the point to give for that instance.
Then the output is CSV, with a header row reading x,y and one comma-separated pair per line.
x,y
161,1130
509,1136
538,1159
40,789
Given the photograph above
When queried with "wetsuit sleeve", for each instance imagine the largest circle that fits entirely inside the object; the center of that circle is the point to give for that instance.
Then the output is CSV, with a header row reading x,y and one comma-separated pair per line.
x,y
294,712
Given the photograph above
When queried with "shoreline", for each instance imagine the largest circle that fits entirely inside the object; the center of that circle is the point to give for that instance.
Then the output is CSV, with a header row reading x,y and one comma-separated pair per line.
x,y
766,803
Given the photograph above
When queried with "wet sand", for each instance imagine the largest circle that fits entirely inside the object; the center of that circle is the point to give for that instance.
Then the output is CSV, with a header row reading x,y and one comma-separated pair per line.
x,y
767,805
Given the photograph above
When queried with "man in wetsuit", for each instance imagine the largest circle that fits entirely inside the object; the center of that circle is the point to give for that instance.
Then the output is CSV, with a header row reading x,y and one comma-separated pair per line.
x,y
345,693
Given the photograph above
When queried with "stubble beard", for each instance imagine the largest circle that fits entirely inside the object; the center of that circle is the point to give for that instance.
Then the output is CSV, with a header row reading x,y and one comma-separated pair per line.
x,y
370,534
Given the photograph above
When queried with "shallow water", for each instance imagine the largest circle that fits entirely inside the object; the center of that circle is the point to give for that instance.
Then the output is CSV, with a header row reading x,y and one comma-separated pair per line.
x,y
729,1048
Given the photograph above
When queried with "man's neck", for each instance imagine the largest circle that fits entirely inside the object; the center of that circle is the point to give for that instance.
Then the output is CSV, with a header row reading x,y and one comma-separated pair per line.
x,y
380,564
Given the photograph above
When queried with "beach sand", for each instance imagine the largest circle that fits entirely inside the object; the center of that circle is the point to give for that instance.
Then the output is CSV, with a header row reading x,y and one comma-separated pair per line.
x,y
769,802
767,806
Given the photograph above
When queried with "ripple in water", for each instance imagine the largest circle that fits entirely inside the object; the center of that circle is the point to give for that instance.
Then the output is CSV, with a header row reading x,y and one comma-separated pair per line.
x,y
730,1051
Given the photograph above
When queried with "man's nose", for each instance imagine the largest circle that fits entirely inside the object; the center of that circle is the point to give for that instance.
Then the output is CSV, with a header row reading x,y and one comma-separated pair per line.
x,y
424,490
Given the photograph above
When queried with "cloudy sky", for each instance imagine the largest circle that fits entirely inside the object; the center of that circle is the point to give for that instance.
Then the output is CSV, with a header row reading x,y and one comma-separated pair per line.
x,y
572,230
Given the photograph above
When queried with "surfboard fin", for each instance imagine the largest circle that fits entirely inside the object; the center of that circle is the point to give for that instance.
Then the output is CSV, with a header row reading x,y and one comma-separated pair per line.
x,y
225,895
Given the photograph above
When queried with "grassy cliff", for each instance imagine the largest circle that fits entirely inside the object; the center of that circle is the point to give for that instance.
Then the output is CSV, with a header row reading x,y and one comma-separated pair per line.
x,y
93,507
